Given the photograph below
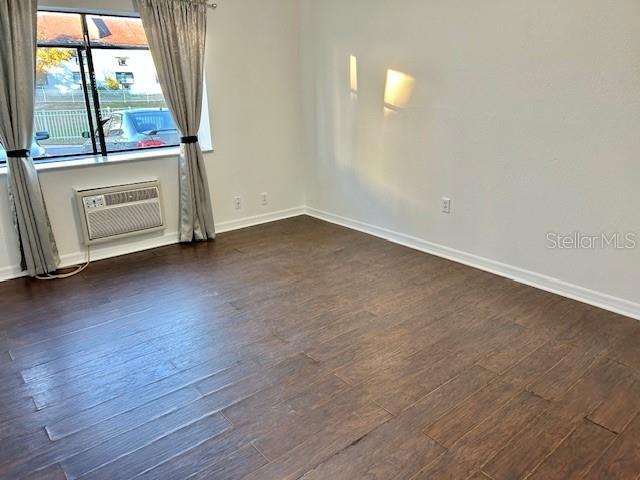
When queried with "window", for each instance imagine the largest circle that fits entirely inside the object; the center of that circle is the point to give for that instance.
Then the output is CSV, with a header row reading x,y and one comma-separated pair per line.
x,y
125,79
86,102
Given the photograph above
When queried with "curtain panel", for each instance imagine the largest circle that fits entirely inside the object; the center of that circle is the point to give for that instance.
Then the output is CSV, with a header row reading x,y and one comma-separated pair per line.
x,y
18,32
176,31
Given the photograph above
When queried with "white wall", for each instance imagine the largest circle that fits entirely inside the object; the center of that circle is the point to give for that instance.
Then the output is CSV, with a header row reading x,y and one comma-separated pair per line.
x,y
253,76
526,113
253,82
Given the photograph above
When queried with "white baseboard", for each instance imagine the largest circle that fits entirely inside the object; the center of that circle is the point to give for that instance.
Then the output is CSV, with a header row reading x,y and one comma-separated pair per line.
x,y
109,251
259,219
12,271
527,277
101,252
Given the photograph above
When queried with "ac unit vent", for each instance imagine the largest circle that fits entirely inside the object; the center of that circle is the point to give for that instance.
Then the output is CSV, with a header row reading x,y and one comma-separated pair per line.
x,y
130,196
114,212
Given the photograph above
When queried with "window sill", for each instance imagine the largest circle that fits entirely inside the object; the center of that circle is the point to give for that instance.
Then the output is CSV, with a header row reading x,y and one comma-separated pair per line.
x,y
114,158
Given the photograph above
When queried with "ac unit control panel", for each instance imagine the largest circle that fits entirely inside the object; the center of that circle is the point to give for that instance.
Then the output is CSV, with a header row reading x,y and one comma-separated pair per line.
x,y
96,201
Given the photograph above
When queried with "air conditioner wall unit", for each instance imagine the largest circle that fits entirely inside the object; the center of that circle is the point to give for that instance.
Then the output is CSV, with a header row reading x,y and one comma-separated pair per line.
x,y
120,211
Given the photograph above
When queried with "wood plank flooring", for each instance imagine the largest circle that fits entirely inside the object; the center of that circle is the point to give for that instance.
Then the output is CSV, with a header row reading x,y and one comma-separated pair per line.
x,y
299,349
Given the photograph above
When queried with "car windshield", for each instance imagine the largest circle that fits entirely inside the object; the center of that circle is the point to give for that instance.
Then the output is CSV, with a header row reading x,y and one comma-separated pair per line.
x,y
152,120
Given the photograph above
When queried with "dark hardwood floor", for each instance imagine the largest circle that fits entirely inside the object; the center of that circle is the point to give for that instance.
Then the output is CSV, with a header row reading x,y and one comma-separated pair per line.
x,y
299,349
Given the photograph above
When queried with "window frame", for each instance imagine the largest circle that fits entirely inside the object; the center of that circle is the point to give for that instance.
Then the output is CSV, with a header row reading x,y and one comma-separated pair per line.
x,y
89,87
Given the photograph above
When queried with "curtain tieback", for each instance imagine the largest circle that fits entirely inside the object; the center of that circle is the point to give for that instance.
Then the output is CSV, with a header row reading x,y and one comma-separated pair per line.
x,y
18,153
191,139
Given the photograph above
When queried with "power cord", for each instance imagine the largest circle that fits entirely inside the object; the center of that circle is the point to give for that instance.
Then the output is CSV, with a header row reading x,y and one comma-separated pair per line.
x,y
78,269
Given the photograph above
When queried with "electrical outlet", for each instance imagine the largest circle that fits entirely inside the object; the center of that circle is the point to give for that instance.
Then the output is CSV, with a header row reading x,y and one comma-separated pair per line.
x,y
446,205
237,201
264,198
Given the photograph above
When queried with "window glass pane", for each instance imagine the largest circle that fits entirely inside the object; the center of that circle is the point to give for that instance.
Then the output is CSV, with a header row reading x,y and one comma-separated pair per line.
x,y
107,31
60,118
133,110
133,113
59,29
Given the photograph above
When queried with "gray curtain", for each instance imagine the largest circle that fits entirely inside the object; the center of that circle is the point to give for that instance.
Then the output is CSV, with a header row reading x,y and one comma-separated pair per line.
x,y
18,20
176,30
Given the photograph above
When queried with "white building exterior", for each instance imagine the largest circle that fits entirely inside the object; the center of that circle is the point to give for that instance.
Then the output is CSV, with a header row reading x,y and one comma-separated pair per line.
x,y
132,69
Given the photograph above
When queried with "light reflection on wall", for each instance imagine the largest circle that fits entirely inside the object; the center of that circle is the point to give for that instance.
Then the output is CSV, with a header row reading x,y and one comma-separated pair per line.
x,y
398,90
353,73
